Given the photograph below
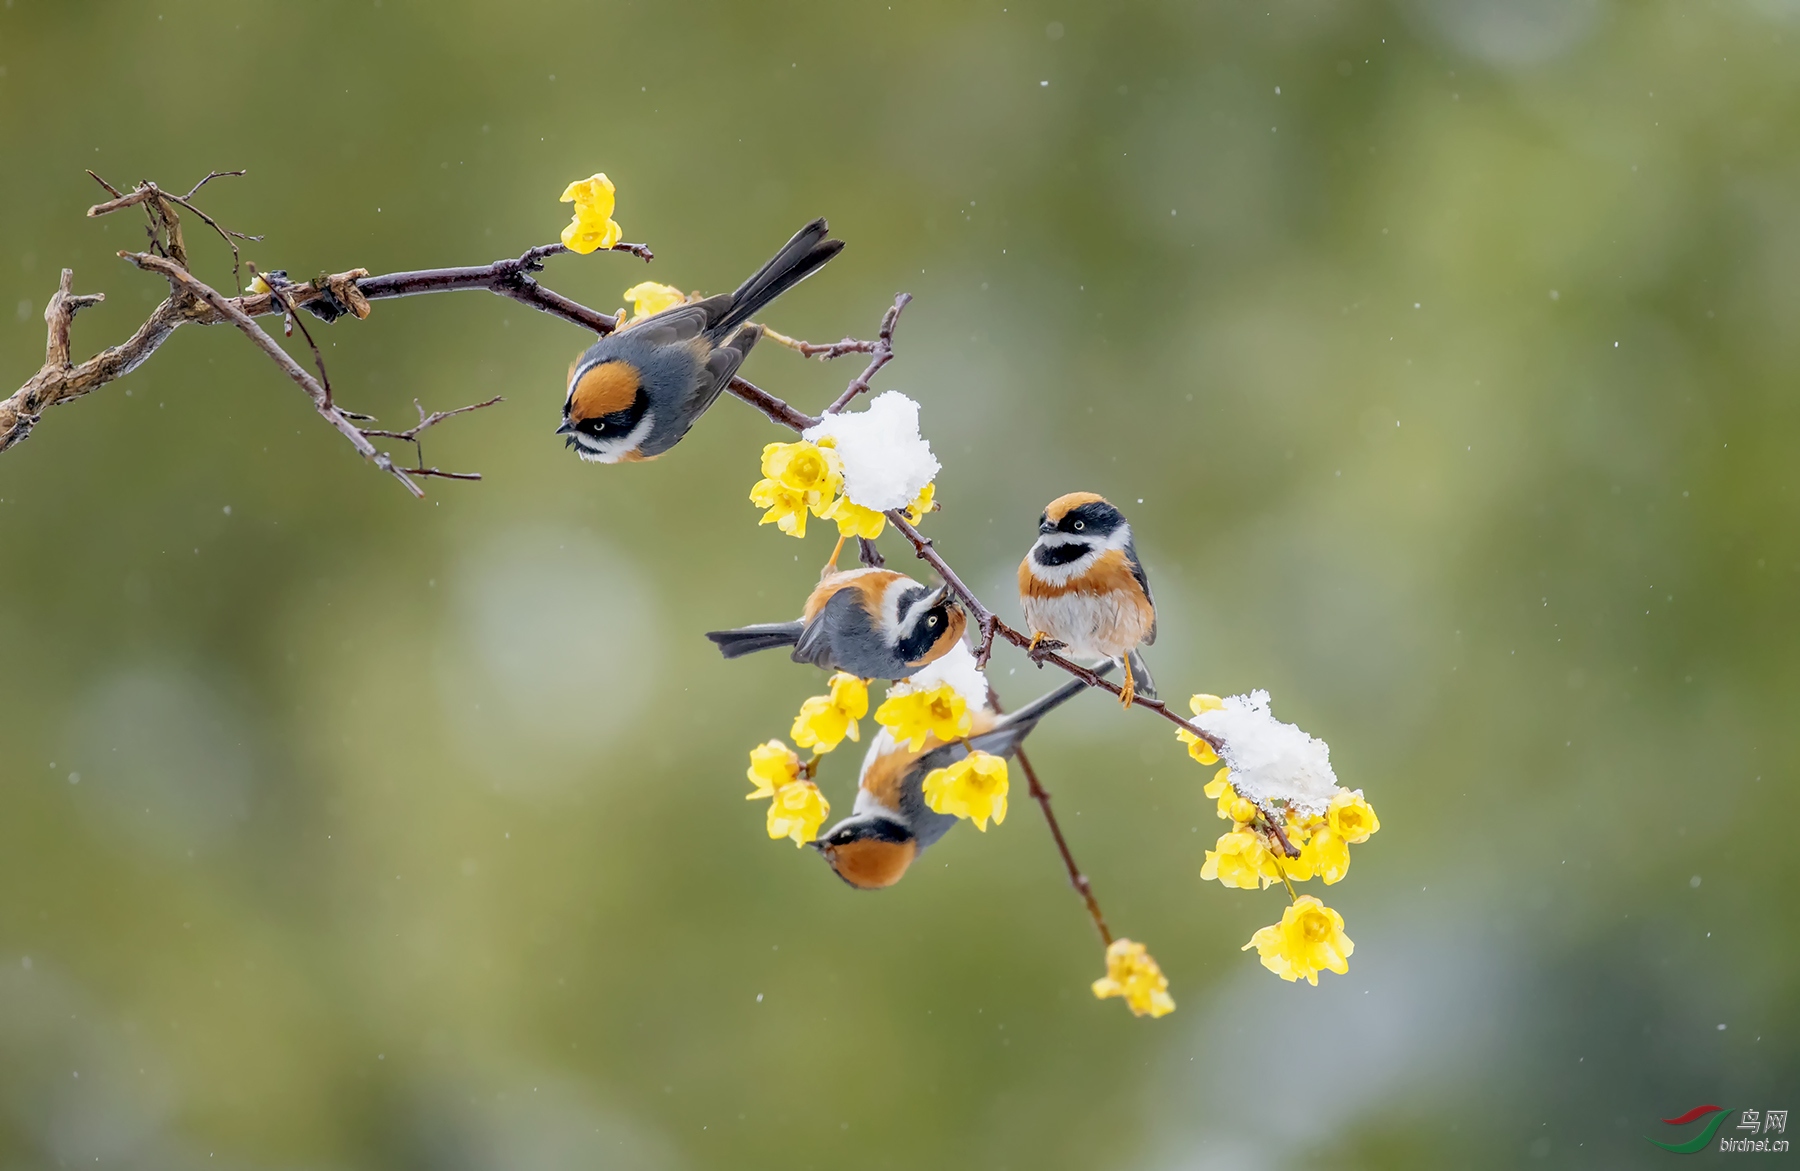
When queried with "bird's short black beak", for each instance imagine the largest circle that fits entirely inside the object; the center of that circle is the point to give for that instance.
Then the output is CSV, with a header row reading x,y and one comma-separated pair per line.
x,y
565,428
1046,527
818,844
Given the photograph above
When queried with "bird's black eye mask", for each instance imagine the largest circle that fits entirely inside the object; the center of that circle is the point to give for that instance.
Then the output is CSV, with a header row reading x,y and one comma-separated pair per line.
x,y
615,424
1095,519
916,642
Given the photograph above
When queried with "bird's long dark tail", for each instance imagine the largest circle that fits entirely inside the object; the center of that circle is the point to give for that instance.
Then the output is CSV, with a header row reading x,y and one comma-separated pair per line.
x,y
1013,727
750,639
798,259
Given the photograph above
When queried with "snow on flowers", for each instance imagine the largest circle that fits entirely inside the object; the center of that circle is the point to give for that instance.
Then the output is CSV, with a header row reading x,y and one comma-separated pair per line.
x,y
1290,822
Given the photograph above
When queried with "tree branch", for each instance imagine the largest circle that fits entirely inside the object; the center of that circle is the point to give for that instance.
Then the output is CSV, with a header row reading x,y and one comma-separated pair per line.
x,y
180,277
327,296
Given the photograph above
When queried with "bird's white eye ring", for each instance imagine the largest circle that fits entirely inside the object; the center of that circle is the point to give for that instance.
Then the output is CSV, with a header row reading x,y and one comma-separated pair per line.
x,y
1079,525
931,621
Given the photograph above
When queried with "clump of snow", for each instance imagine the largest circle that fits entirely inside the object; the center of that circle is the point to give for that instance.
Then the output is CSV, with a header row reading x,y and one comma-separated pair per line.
x,y
957,668
886,463
1270,760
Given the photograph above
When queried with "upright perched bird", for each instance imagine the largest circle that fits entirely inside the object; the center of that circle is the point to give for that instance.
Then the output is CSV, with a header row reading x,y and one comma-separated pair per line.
x,y
890,824
635,393
1081,587
873,623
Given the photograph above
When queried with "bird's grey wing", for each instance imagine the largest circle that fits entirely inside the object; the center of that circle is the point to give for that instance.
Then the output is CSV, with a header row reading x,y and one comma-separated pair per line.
x,y
675,325
819,641
1143,580
713,376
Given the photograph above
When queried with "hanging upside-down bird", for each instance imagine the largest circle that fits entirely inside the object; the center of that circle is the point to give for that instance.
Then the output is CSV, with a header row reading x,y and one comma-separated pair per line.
x,y
873,623
890,824
1081,587
635,393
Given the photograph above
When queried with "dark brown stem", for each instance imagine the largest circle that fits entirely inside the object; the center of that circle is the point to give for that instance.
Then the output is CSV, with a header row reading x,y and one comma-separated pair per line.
x,y
441,475
507,278
1273,825
768,404
1076,878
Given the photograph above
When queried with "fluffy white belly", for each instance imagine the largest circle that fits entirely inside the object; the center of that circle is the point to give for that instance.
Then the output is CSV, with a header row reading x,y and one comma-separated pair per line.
x,y
1095,626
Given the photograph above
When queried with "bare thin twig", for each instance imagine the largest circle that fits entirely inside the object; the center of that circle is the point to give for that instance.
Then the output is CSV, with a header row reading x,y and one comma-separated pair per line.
x,y
1077,879
411,434
278,286
179,276
824,353
880,355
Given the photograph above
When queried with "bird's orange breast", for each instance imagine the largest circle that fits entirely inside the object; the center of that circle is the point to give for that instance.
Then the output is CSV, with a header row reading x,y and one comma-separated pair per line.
x,y
1111,573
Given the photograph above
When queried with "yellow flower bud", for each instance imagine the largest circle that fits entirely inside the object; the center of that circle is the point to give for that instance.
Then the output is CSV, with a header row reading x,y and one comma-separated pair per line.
x,y
1131,972
923,503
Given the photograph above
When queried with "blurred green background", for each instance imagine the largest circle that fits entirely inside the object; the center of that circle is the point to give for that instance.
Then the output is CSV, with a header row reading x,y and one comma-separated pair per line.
x,y
1441,351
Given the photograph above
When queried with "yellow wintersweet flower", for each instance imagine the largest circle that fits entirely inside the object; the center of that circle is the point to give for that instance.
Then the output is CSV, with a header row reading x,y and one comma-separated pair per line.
x,y
649,298
974,787
1241,811
1131,972
1352,818
772,765
1197,748
804,467
825,720
914,715
257,286
1309,939
1325,854
1241,860
923,503
1227,798
786,510
797,811
1220,782
853,520
592,228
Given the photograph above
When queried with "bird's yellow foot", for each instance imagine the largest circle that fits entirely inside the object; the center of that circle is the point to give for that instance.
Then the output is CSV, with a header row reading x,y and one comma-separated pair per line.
x,y
1041,645
1128,692
831,565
